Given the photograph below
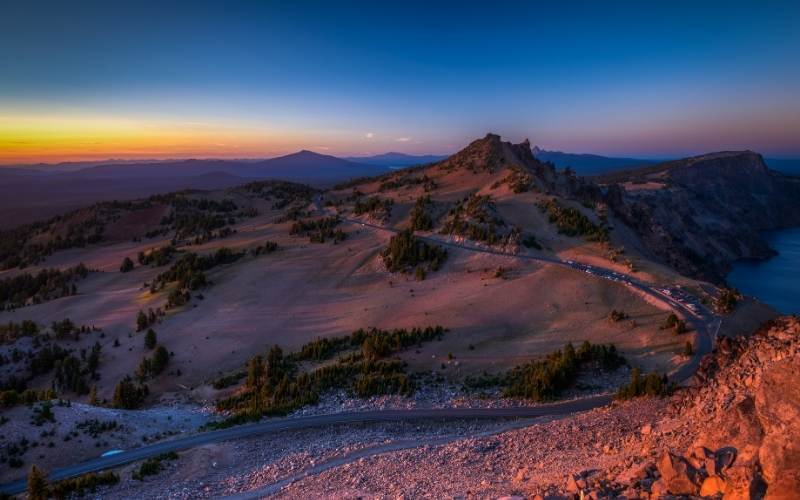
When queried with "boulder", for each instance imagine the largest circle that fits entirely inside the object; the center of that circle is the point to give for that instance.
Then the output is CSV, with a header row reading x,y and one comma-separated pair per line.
x,y
712,485
778,409
679,476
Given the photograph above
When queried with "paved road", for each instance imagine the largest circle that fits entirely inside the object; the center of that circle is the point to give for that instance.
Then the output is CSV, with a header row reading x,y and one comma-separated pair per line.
x,y
296,423
700,318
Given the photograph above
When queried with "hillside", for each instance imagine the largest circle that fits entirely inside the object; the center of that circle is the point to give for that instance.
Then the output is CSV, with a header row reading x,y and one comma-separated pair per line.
x,y
433,286
32,193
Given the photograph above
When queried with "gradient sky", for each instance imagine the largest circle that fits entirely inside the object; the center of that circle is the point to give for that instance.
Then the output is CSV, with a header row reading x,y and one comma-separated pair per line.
x,y
81,80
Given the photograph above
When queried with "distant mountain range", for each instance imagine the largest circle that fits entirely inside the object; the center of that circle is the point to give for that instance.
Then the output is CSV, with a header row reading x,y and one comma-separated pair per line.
x,y
588,164
393,159
32,192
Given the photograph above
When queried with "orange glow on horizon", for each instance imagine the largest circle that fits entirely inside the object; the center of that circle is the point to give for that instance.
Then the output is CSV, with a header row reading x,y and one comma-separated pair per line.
x,y
55,139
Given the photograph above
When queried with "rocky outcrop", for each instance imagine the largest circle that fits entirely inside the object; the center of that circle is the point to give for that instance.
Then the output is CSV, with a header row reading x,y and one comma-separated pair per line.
x,y
700,214
745,411
491,154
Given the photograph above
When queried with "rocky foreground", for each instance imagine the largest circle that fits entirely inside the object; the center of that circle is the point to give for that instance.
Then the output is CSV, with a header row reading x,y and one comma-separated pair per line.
x,y
735,434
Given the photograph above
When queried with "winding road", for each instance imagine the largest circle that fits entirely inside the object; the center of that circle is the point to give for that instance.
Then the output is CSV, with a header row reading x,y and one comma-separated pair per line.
x,y
702,320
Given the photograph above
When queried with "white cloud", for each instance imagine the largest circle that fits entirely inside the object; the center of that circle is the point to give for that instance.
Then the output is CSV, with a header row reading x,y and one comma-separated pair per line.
x,y
369,135
403,139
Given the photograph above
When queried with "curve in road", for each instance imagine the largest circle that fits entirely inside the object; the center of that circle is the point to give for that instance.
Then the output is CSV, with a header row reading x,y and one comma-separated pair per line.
x,y
702,320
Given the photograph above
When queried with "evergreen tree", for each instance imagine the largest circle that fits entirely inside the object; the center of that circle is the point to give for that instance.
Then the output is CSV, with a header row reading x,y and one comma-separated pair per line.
x,y
150,339
37,484
127,265
160,360
255,371
93,396
141,321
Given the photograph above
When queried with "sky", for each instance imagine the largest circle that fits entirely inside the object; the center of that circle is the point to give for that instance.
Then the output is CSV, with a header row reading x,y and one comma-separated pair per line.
x,y
98,80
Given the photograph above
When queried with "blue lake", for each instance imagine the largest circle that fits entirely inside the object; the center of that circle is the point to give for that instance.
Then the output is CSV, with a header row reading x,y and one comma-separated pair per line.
x,y
775,281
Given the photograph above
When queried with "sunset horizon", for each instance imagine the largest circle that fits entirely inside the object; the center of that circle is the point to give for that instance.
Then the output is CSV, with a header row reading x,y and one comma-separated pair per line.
x,y
664,86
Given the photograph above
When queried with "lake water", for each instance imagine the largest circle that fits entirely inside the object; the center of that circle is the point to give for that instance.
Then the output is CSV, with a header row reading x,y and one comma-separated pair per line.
x,y
775,281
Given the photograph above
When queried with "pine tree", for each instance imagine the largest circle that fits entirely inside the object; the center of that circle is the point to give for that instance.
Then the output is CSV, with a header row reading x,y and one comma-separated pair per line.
x,y
150,339
93,396
255,371
127,265
160,359
37,484
141,321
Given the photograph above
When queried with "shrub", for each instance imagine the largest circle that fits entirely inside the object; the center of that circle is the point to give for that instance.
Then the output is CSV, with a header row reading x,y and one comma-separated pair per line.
x,y
127,265
617,316
152,466
652,384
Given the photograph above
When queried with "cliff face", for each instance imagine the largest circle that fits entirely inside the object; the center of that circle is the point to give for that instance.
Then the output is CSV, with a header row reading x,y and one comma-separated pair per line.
x,y
700,214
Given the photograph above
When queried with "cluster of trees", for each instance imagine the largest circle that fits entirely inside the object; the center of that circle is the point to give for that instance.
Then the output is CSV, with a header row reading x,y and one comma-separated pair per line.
x,y
11,331
71,372
44,285
674,322
282,193
68,488
267,248
157,257
727,299
420,219
473,219
198,217
13,397
373,341
153,366
545,379
405,252
145,320
571,222
319,230
519,180
189,270
373,205
152,466
129,395
616,316
397,181
530,241
651,384
274,385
